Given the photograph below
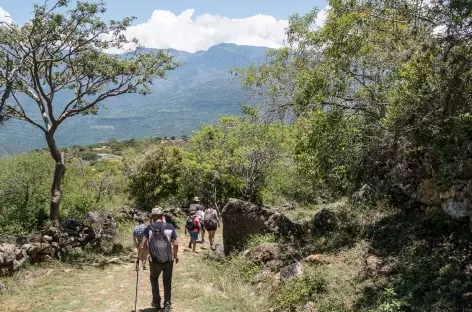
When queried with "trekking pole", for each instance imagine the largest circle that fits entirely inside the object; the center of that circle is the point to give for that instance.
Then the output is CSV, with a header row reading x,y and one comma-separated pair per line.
x,y
137,281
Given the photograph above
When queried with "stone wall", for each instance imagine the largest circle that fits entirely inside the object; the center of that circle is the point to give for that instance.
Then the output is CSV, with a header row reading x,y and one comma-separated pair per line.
x,y
97,230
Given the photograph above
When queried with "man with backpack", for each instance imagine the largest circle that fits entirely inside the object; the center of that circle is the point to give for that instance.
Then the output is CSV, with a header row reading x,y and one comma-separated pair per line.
x,y
211,222
162,241
193,227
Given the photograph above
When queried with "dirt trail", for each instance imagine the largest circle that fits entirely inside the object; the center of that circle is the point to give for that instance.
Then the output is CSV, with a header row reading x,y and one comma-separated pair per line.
x,y
111,289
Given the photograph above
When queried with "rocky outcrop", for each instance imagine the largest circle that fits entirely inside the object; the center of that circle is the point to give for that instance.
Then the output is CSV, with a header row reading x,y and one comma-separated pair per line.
x,y
455,201
97,231
324,221
242,219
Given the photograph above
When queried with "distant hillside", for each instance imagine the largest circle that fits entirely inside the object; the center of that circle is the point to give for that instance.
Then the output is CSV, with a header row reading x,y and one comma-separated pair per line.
x,y
195,94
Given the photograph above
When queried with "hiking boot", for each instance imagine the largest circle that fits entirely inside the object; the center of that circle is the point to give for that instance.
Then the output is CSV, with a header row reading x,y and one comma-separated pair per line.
x,y
156,306
167,307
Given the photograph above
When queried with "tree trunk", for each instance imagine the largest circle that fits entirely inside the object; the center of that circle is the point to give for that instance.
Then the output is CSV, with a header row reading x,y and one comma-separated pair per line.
x,y
56,192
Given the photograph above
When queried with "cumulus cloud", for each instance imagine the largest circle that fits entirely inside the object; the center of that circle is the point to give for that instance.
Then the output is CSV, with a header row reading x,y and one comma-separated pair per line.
x,y
321,17
190,33
184,32
5,16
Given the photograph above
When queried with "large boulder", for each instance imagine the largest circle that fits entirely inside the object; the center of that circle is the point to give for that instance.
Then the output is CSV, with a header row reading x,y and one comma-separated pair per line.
x,y
242,219
325,220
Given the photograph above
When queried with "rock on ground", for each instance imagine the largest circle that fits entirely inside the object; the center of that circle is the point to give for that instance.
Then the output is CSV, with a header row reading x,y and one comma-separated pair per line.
x,y
267,252
457,210
290,272
242,219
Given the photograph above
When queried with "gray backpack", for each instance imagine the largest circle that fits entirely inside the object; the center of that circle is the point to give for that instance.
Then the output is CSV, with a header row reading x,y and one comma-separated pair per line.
x,y
160,247
209,219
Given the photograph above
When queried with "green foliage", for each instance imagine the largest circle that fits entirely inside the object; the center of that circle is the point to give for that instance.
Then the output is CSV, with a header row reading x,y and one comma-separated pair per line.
x,y
256,240
24,190
390,302
381,87
328,146
89,155
155,175
233,158
300,290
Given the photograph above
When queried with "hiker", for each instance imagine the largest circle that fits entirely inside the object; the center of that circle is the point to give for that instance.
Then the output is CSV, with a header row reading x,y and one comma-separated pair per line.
x,y
138,234
211,222
193,227
200,214
169,219
163,249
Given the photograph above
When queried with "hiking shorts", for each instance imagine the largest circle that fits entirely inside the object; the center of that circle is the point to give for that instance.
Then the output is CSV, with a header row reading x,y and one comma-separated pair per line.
x,y
194,235
211,227
143,254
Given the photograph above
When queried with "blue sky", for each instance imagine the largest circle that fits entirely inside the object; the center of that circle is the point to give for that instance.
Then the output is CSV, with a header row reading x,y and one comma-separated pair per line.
x,y
280,9
192,25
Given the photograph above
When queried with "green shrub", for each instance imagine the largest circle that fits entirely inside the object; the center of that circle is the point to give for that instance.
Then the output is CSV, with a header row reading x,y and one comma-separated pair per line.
x,y
300,290
24,192
154,176
256,240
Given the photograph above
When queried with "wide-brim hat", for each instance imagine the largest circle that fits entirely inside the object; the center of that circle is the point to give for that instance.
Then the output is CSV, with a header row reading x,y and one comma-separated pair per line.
x,y
156,211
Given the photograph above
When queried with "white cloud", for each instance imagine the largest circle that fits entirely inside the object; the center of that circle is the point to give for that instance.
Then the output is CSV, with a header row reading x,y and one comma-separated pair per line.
x,y
183,32
321,17
5,16
190,33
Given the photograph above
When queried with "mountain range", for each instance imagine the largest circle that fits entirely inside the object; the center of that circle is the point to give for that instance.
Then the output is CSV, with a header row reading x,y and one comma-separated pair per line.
x,y
192,95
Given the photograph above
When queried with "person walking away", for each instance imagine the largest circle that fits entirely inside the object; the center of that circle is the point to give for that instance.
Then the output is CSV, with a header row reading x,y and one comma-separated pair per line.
x,y
211,222
193,227
169,219
138,235
200,214
163,248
